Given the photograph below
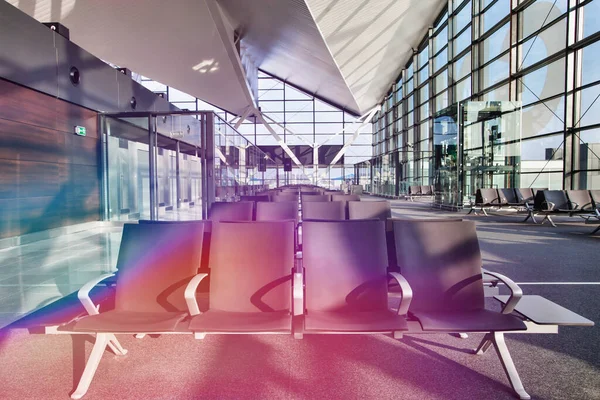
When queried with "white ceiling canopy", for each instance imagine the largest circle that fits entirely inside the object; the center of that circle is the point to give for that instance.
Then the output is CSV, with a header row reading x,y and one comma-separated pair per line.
x,y
182,43
284,40
372,40
346,52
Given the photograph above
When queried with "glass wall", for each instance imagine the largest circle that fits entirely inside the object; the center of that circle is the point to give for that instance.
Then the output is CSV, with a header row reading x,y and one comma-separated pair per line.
x,y
156,164
542,54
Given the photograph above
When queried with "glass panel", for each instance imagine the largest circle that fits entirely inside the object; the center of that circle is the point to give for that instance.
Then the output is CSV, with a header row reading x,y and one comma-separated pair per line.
x,y
462,67
462,42
544,82
496,44
533,16
440,40
463,18
590,106
496,71
544,118
494,14
590,62
463,89
548,42
591,18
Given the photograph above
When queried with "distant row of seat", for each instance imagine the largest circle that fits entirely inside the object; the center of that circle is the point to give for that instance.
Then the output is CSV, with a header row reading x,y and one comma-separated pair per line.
x,y
420,191
565,202
341,288
311,210
486,199
541,201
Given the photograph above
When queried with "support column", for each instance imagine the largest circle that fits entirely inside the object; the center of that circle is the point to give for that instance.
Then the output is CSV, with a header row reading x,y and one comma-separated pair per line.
x,y
177,181
151,165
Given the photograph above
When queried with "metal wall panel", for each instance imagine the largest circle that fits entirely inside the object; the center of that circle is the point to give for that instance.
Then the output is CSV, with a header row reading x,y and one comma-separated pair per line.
x,y
36,57
27,54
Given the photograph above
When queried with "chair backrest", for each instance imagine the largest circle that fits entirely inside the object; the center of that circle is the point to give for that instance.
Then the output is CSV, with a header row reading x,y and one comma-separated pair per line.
x,y
315,197
443,266
595,195
524,195
486,196
324,211
155,263
369,210
507,196
280,211
240,211
345,265
285,197
255,198
581,199
251,265
426,190
557,197
345,197
414,190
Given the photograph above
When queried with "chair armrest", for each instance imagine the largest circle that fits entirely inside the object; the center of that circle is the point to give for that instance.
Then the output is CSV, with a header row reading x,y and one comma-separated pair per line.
x,y
298,293
515,291
574,205
84,294
190,294
407,293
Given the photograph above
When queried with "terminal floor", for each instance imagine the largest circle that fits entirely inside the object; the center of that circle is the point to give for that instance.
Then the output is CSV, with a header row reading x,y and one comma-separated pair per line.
x,y
560,264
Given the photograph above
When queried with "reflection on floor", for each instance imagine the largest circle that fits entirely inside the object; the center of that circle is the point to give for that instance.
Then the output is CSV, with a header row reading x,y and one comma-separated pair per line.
x,y
38,273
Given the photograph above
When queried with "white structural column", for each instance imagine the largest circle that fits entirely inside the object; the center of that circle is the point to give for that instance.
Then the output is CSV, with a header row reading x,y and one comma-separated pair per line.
x,y
367,119
280,141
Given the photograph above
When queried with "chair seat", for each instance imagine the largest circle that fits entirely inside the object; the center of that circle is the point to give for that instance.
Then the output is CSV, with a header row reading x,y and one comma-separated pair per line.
x,y
361,321
468,321
242,322
129,322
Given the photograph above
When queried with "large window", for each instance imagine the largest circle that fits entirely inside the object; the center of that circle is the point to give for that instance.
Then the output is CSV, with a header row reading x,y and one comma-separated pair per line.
x,y
544,54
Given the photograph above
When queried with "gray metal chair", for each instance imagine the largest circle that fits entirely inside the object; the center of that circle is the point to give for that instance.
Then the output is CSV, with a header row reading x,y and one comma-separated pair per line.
x,y
443,268
380,210
251,280
346,279
324,211
240,211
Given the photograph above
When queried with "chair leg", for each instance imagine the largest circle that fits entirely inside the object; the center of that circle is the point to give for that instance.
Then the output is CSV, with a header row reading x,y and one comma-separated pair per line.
x,y
485,344
484,212
509,366
115,346
595,230
102,340
529,215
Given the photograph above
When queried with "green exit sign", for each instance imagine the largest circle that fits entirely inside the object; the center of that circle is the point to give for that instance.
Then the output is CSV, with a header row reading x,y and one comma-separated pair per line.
x,y
80,130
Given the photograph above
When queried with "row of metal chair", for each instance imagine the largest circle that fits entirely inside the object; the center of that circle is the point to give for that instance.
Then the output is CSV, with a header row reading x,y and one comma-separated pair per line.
x,y
255,287
420,191
277,211
488,198
585,203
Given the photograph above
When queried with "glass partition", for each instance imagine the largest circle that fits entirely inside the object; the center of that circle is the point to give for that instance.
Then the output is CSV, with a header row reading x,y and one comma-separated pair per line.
x,y
476,145
157,165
